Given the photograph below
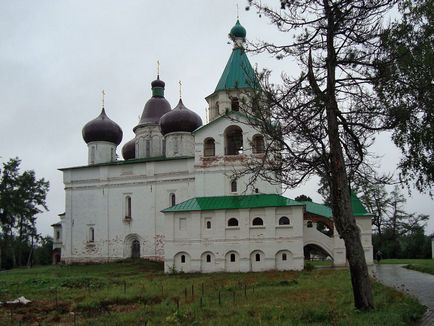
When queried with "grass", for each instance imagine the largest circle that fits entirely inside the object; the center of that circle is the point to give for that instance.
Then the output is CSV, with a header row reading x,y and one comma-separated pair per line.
x,y
421,265
135,293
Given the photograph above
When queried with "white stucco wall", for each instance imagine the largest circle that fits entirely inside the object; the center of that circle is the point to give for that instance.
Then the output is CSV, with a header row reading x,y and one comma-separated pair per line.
x,y
186,234
101,152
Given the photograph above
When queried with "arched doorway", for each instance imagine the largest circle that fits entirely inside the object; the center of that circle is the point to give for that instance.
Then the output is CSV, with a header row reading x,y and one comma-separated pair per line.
x,y
315,252
135,249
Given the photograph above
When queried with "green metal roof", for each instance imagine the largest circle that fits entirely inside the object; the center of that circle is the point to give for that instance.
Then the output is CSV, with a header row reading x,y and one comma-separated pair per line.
x,y
238,73
132,161
358,208
232,202
238,30
318,209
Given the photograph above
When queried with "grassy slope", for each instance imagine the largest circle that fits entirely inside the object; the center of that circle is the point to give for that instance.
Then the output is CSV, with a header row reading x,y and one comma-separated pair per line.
x,y
421,265
132,293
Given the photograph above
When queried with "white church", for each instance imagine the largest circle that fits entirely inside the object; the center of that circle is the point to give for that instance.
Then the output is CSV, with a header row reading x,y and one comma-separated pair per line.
x,y
173,197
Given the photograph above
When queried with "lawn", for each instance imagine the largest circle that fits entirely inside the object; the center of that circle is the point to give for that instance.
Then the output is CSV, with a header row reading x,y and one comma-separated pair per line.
x,y
138,293
421,265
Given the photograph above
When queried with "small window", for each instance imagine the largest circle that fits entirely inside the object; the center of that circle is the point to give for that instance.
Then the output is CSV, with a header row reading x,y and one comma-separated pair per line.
x,y
258,146
232,222
209,147
235,104
309,224
234,186
183,259
284,220
258,257
232,257
257,221
256,191
128,207
283,256
91,234
208,224
172,199
57,235
182,223
208,258
148,148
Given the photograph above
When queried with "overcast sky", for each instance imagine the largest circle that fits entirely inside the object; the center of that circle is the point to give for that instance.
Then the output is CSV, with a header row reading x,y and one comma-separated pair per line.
x,y
56,56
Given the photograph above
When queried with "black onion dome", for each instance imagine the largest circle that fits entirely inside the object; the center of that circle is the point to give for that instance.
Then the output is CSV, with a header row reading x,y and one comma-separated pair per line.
x,y
156,106
102,129
180,119
129,150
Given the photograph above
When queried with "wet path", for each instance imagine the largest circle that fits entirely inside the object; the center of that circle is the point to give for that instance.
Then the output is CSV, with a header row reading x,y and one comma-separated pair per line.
x,y
420,285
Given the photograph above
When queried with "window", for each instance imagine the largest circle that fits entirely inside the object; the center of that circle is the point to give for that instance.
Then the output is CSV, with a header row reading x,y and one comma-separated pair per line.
x,y
233,140
57,235
183,259
91,234
234,187
172,199
232,257
257,221
92,155
283,220
208,224
163,146
283,256
235,104
258,144
128,207
148,148
208,258
182,223
209,147
232,222
309,224
258,257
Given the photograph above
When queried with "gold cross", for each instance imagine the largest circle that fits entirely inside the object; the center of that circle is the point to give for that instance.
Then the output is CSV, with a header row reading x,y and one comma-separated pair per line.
x,y
238,16
180,89
103,94
158,67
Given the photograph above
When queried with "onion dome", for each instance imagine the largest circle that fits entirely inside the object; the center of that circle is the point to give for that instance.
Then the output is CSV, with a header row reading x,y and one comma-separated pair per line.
x,y
129,150
156,106
102,129
238,31
180,119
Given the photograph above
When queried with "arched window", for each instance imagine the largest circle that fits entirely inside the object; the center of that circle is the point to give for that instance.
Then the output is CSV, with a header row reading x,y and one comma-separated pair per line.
x,y
258,257
91,234
148,148
283,220
128,207
284,256
234,187
172,199
209,147
232,257
182,258
208,224
233,140
232,222
309,224
257,221
208,258
235,104
258,144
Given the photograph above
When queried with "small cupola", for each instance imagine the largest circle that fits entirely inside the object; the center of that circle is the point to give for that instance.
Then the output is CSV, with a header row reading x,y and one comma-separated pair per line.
x,y
180,119
129,150
102,128
238,35
156,106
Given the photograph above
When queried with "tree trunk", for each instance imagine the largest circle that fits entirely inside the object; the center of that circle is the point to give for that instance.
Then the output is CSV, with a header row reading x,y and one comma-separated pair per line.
x,y
339,185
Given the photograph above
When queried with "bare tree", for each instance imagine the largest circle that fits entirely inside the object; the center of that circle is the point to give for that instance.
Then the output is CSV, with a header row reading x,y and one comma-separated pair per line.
x,y
323,121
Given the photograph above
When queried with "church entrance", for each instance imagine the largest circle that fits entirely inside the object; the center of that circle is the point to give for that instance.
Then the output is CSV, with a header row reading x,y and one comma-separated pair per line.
x,y
135,249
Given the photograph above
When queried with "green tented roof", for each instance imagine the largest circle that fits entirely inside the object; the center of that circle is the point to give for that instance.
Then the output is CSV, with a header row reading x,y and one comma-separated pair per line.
x,y
358,208
238,73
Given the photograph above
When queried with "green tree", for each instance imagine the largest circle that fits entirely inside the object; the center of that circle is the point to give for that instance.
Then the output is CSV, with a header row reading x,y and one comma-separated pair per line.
x,y
326,117
22,197
405,86
303,198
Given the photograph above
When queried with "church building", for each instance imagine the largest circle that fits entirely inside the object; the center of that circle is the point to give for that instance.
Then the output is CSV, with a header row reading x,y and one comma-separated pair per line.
x,y
174,197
